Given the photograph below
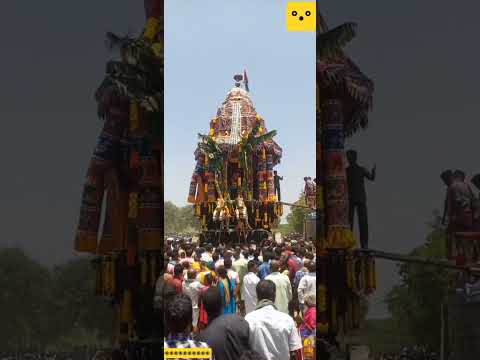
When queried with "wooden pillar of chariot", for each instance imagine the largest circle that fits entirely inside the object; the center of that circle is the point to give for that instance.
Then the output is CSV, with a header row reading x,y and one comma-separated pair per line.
x,y
121,220
344,98
232,186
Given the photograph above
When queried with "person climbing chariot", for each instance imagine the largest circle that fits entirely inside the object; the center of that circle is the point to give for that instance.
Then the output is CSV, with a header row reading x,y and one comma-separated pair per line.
x,y
357,195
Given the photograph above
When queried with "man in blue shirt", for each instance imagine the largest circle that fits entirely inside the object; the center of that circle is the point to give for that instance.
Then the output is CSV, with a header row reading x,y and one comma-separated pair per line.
x,y
264,268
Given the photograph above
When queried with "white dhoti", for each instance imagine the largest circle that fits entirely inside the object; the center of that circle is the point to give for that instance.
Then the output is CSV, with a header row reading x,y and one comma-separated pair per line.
x,y
195,315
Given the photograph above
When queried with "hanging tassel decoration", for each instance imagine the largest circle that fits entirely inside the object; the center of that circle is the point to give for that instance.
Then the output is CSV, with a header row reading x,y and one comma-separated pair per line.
x,y
153,271
98,278
133,205
144,270
134,116
151,28
113,274
333,315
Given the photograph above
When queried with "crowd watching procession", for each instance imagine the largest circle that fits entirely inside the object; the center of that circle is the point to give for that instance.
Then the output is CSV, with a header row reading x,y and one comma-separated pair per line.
x,y
249,301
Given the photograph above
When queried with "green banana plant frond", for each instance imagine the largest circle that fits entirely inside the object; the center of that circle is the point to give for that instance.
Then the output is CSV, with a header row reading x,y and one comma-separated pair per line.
x,y
331,42
264,137
211,150
139,75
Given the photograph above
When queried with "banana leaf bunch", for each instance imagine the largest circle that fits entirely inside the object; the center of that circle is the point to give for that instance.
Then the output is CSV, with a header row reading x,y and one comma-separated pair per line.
x,y
211,150
247,146
139,75
216,160
339,77
331,42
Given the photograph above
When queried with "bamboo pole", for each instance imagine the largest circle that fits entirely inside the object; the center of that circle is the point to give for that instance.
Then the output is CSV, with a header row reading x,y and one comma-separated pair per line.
x,y
296,205
415,259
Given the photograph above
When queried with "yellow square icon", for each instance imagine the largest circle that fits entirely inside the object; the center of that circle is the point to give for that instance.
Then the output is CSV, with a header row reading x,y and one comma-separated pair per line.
x,y
301,16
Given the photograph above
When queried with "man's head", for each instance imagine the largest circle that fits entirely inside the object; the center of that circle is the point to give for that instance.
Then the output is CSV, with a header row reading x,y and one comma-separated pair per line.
x,y
312,266
208,279
476,181
212,300
252,266
306,263
275,266
447,177
178,270
222,272
179,314
275,172
191,274
175,254
351,156
310,299
266,290
459,175
227,263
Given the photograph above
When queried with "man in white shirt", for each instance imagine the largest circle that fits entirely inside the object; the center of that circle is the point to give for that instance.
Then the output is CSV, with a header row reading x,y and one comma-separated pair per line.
x,y
207,254
283,287
240,264
191,287
273,334
308,283
249,285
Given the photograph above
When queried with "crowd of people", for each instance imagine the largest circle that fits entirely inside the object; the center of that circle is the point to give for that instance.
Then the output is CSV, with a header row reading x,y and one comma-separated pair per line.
x,y
416,352
461,215
248,301
78,354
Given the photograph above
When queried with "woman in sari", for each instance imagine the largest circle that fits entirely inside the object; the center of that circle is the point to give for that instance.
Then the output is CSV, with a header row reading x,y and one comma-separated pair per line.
x,y
227,290
203,318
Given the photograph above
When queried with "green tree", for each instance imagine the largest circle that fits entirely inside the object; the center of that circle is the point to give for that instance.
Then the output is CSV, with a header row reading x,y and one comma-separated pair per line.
x,y
296,217
179,219
42,307
25,301
78,307
170,217
416,301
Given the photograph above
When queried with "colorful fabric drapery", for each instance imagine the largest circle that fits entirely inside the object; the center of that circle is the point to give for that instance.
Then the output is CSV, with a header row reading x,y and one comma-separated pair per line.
x,y
125,178
339,234
344,98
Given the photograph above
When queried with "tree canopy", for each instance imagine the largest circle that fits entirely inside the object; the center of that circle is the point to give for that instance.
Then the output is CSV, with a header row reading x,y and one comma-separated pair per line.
x,y
296,217
179,219
416,301
45,307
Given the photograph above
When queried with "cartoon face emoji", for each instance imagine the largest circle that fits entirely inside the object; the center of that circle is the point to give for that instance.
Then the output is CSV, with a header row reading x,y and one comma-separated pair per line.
x,y
301,16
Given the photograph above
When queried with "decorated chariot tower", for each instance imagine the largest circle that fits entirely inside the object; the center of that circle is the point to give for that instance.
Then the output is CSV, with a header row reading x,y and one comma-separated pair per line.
x,y
232,186
121,220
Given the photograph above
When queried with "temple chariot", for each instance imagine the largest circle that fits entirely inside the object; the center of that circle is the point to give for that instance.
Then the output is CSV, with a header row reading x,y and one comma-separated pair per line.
x,y
232,186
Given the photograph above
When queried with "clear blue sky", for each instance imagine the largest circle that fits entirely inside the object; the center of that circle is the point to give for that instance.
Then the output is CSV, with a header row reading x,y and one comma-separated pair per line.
x,y
206,43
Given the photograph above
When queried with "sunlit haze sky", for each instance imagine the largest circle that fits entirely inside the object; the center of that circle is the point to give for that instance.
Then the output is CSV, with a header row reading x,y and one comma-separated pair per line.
x,y
207,43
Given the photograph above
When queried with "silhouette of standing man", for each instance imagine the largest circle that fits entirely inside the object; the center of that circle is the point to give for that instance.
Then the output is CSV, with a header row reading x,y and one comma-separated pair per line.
x,y
276,181
357,195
